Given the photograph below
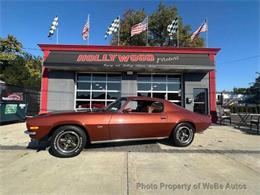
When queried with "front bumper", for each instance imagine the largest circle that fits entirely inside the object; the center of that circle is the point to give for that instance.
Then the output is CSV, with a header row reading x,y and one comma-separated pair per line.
x,y
30,132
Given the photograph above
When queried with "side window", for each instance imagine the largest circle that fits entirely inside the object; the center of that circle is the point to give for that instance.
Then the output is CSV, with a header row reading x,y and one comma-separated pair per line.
x,y
116,105
155,107
132,105
143,106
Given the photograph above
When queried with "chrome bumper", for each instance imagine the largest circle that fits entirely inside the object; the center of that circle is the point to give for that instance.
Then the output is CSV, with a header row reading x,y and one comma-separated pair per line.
x,y
30,132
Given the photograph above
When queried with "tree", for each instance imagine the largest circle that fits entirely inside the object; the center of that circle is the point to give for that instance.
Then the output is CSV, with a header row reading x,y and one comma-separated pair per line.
x,y
158,22
254,91
10,45
17,66
130,17
239,90
9,49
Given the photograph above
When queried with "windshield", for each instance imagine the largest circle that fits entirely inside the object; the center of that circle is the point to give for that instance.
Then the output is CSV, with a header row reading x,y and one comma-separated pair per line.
x,y
116,105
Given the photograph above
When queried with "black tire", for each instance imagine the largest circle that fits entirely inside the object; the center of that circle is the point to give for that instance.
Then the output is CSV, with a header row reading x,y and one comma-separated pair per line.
x,y
68,141
183,135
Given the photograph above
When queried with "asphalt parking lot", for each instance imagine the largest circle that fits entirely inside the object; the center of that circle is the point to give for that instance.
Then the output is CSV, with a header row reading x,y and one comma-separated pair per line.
x,y
222,160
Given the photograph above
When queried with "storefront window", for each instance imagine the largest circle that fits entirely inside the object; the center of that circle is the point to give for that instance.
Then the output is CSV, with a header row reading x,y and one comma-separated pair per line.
x,y
83,85
83,104
84,77
114,86
98,104
113,77
99,77
173,78
160,86
174,86
98,95
159,78
159,95
144,94
144,78
83,95
174,96
113,95
97,90
144,86
98,86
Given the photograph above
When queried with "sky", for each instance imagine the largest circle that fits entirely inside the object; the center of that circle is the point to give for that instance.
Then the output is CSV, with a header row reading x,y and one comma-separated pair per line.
x,y
234,26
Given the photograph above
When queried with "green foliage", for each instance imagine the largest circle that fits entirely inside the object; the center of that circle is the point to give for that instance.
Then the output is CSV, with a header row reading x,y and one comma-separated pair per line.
x,y
239,90
253,109
6,57
130,18
254,91
9,50
18,67
10,45
158,35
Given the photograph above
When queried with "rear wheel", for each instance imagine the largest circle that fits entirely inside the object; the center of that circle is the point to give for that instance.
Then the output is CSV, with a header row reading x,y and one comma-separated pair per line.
x,y
68,141
183,134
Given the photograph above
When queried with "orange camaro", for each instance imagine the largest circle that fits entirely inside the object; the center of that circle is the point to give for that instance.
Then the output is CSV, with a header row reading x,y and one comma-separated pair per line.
x,y
126,119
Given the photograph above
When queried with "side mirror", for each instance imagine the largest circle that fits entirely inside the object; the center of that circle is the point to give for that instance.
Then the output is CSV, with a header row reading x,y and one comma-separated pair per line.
x,y
127,110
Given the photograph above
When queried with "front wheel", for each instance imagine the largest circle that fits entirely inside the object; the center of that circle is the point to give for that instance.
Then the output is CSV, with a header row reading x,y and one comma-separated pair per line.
x,y
183,134
68,141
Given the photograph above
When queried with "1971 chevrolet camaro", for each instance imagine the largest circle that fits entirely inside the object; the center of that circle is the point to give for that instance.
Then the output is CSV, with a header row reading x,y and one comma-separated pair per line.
x,y
126,119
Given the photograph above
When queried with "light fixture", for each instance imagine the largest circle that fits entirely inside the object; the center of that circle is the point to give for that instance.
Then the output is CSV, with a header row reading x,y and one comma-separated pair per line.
x,y
129,72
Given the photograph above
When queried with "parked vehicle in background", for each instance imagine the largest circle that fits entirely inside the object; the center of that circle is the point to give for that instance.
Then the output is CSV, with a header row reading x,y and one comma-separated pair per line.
x,y
13,106
126,119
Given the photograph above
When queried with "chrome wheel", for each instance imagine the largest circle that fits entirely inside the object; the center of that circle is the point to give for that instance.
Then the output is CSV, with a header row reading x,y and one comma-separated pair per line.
x,y
184,135
68,141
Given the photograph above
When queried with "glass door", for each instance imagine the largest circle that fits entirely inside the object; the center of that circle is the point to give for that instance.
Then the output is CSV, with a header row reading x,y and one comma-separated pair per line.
x,y
200,96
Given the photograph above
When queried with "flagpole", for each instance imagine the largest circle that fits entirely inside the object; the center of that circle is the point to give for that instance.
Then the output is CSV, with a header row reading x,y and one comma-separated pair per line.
x,y
207,32
147,32
57,35
178,41
88,29
178,33
118,33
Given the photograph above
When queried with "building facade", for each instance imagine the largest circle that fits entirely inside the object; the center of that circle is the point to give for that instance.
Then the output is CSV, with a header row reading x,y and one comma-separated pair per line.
x,y
77,77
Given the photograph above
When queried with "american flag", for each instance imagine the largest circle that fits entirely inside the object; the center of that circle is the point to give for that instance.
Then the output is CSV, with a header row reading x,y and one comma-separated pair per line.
x,y
140,27
85,31
202,28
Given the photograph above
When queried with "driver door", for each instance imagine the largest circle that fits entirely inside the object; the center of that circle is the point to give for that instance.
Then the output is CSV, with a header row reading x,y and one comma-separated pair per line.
x,y
136,122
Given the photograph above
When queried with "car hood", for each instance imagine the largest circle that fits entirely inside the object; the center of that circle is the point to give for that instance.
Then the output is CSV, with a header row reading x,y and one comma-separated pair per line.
x,y
70,112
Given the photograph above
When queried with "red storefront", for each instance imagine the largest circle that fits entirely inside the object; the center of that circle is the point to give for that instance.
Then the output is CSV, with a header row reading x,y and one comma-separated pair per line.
x,y
78,76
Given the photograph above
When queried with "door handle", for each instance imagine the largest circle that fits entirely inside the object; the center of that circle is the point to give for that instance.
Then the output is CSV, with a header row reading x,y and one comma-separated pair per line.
x,y
163,117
